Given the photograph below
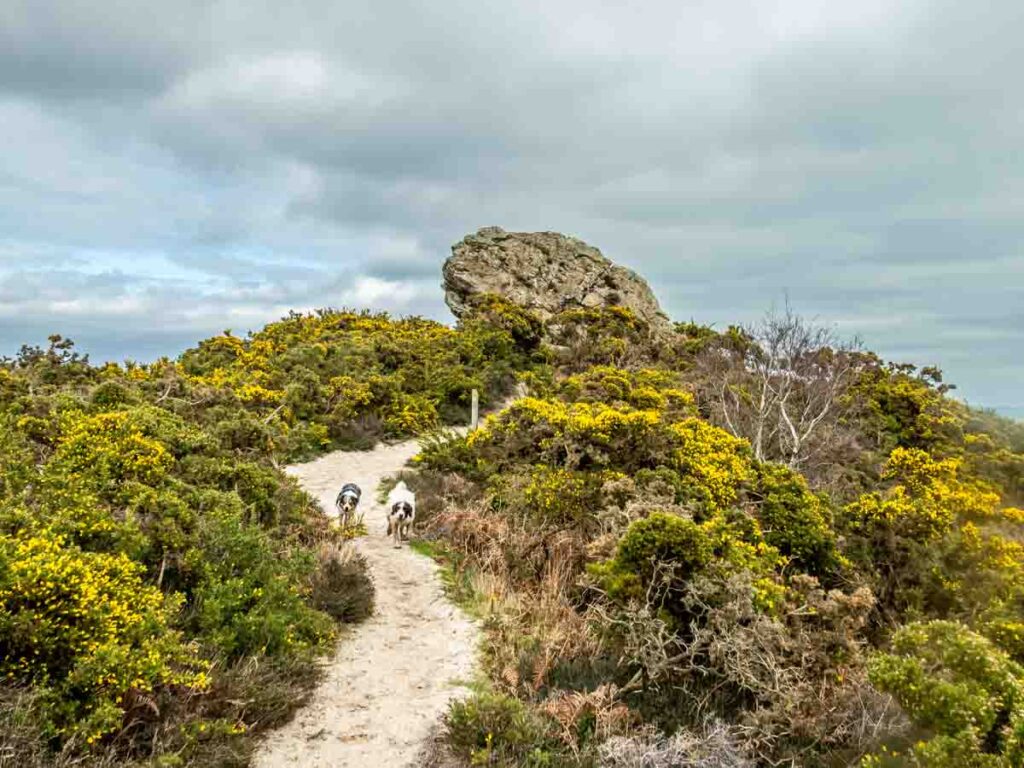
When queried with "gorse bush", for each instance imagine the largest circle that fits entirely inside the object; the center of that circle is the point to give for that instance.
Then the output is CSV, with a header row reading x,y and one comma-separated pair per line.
x,y
644,388
870,609
164,587
131,573
86,628
935,543
668,551
795,521
960,687
594,336
493,729
652,584
335,378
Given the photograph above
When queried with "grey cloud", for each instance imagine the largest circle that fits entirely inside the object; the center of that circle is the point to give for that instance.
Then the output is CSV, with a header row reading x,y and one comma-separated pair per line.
x,y
236,160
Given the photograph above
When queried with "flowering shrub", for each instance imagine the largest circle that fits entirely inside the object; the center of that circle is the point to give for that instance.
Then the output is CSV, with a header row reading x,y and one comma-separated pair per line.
x,y
713,465
149,538
348,396
921,537
907,410
960,688
86,625
345,378
714,462
111,447
575,435
410,415
647,388
150,550
668,551
795,521
562,496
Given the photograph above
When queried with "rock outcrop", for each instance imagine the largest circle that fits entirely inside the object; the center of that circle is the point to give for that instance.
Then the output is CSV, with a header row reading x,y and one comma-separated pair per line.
x,y
544,272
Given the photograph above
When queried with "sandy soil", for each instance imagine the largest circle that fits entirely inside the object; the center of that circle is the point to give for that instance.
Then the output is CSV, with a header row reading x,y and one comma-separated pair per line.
x,y
392,676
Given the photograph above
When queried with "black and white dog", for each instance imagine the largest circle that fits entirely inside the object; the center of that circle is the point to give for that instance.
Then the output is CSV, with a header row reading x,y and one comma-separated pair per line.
x,y
401,512
347,501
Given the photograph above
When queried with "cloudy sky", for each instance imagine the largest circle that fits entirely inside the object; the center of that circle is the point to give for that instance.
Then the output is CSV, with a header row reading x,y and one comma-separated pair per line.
x,y
173,168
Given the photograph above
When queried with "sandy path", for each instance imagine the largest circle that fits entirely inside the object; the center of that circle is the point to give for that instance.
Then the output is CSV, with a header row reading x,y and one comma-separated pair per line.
x,y
392,677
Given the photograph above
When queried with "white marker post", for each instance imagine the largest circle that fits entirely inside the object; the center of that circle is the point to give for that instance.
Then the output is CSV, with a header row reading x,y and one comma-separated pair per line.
x,y
474,410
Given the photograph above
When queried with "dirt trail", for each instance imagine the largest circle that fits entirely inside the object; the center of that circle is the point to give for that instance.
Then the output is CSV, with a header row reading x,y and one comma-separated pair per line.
x,y
392,676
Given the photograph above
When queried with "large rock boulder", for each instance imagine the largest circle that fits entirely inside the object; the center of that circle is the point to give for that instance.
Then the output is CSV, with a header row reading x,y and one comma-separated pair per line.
x,y
544,272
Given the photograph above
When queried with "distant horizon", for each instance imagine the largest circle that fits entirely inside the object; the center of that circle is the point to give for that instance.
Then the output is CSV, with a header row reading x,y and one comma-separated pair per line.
x,y
1011,412
174,344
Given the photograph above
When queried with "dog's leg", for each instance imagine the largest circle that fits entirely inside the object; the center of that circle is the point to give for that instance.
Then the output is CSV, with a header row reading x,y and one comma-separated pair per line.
x,y
398,534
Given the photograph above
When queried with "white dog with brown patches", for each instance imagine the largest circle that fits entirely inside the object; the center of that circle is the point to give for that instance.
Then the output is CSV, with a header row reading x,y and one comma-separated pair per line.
x,y
401,511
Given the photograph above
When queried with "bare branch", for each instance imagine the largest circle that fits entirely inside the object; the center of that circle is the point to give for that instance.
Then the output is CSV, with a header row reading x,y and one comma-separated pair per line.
x,y
794,375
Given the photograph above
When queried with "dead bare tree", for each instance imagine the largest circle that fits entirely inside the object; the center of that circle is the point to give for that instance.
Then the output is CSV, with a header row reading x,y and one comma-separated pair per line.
x,y
780,383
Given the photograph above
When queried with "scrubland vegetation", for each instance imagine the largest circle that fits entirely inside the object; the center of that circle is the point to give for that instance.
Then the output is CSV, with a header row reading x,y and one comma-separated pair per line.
x,y
753,547
164,588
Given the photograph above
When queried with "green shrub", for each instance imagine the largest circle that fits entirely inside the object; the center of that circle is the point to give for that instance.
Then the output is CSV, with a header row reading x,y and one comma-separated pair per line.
x,y
665,540
524,328
17,459
795,521
112,394
250,596
341,587
494,729
667,551
600,336
446,451
961,689
564,497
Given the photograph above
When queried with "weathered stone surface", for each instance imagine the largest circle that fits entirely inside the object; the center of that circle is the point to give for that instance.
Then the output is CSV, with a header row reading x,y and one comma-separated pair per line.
x,y
545,272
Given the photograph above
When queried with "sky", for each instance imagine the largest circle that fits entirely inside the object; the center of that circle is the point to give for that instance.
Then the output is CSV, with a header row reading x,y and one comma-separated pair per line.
x,y
175,168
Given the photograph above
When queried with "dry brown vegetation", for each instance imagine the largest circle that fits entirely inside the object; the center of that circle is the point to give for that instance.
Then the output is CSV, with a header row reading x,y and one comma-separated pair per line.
x,y
658,591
